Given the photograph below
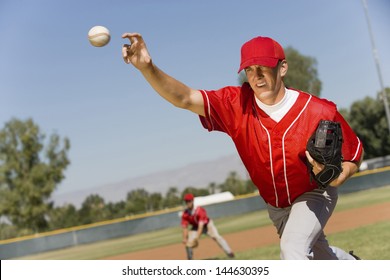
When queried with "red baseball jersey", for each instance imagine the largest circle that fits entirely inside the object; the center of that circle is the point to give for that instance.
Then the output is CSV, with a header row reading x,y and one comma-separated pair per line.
x,y
194,217
274,152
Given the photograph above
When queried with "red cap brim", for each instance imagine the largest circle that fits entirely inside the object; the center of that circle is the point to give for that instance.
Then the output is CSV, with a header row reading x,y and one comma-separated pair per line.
x,y
263,61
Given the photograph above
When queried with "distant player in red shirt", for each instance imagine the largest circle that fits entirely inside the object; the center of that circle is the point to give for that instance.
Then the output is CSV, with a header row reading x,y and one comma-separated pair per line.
x,y
200,223
270,126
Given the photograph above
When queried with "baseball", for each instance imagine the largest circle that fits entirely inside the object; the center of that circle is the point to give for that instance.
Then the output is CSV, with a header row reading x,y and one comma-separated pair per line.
x,y
99,36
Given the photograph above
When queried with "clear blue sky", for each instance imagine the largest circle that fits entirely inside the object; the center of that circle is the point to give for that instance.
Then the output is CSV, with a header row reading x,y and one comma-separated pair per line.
x,y
118,127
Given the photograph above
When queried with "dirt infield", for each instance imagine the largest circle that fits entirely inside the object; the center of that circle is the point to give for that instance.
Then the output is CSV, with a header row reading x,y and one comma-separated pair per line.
x,y
259,237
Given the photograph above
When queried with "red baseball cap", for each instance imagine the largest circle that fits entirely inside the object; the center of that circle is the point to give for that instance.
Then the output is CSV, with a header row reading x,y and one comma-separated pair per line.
x,y
262,51
188,197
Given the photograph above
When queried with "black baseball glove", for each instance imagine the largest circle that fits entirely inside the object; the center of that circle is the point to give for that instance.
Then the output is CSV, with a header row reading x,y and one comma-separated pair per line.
x,y
324,147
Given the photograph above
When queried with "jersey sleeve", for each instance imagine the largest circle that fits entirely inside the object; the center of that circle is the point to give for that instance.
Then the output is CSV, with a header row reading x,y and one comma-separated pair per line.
x,y
223,109
202,215
352,146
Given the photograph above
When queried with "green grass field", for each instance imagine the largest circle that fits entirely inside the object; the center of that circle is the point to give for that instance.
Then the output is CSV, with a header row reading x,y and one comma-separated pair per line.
x,y
369,242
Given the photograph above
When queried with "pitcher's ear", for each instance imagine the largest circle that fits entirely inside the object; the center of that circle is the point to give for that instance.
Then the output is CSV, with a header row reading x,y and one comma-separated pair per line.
x,y
283,67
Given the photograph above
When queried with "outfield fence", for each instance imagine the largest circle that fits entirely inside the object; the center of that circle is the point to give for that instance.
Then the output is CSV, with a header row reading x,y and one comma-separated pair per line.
x,y
59,239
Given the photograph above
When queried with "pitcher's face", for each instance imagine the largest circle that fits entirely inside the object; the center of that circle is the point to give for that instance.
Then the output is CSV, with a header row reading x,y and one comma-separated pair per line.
x,y
267,82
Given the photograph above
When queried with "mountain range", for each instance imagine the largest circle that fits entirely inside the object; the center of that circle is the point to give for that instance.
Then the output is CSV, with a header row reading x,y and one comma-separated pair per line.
x,y
198,174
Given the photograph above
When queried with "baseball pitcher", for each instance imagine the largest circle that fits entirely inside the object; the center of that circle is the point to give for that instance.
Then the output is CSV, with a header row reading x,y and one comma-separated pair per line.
x,y
272,126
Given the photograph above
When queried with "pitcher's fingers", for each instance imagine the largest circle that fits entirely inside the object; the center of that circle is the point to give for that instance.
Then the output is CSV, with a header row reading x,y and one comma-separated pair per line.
x,y
309,158
133,37
125,53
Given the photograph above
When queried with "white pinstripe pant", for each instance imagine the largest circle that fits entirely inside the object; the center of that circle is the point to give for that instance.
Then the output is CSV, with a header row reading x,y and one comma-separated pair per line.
x,y
214,234
300,227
